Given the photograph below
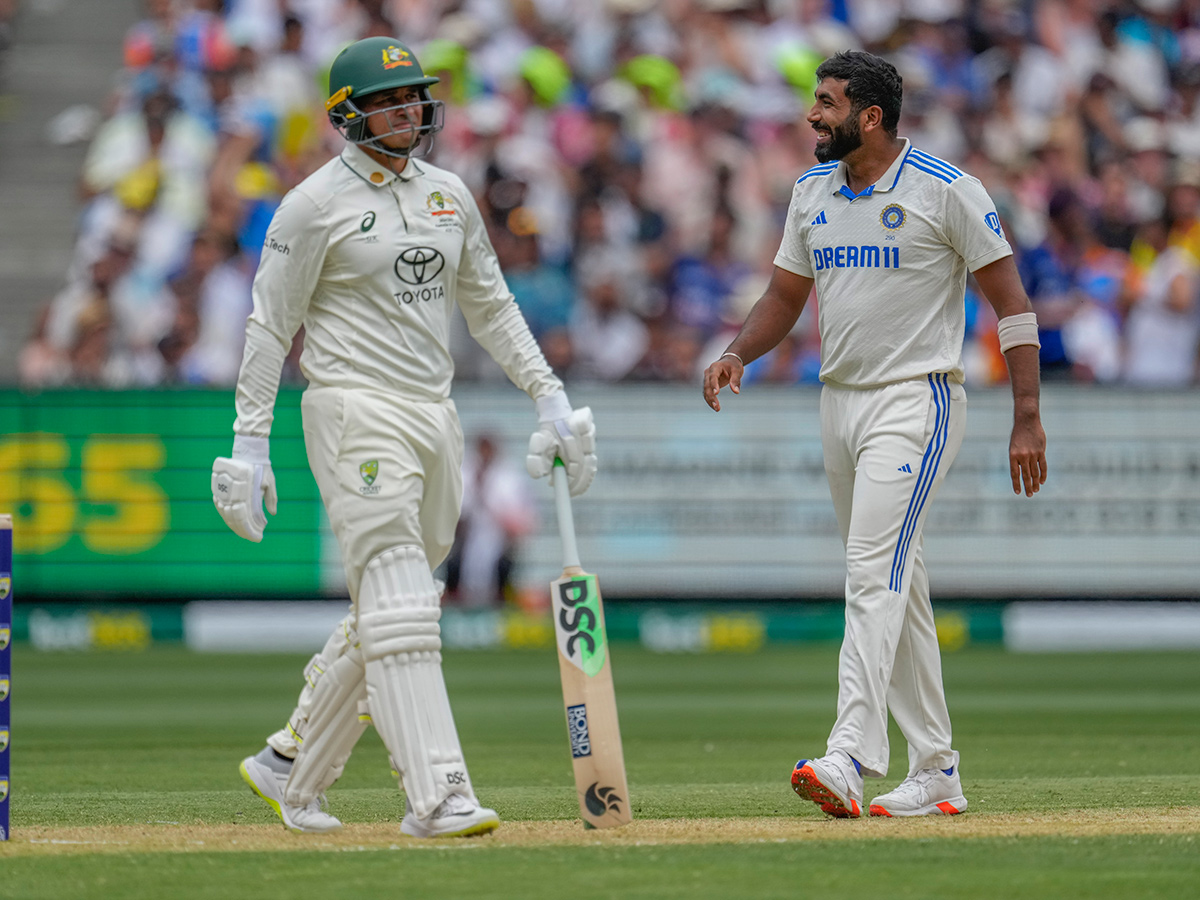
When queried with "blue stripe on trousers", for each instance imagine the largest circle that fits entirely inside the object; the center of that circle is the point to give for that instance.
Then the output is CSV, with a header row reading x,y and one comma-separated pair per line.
x,y
929,465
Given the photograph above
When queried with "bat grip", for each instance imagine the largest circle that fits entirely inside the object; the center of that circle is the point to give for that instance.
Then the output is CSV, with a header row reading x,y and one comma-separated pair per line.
x,y
566,521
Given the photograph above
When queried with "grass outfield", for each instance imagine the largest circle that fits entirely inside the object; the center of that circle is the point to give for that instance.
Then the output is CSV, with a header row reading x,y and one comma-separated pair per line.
x,y
1082,771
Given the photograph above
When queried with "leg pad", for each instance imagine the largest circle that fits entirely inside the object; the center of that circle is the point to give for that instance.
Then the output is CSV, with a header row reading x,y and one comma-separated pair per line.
x,y
328,735
285,741
406,694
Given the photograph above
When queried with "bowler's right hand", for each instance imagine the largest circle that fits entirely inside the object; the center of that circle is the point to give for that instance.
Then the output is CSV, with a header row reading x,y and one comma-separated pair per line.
x,y
240,485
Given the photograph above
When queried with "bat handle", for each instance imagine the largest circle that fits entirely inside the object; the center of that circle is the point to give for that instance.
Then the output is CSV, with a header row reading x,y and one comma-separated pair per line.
x,y
566,521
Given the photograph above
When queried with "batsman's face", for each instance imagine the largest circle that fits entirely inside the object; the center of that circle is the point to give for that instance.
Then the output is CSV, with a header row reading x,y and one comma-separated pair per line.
x,y
394,116
835,121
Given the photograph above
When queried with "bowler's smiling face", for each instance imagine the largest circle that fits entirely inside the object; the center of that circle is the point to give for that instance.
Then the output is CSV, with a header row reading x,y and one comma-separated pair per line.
x,y
836,125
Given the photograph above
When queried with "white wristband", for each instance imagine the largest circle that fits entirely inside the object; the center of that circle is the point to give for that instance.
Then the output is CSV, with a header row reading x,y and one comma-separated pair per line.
x,y
252,449
734,355
1018,330
553,407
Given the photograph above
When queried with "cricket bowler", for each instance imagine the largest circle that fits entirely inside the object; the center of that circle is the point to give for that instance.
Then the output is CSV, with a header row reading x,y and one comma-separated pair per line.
x,y
887,234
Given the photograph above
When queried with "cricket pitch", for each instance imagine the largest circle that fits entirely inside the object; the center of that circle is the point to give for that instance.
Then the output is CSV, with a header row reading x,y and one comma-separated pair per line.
x,y
182,837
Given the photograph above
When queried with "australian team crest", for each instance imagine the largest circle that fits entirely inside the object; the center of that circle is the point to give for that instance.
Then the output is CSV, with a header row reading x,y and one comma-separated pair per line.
x,y
5,586
5,636
3,739
3,689
393,56
439,204
369,472
893,217
3,792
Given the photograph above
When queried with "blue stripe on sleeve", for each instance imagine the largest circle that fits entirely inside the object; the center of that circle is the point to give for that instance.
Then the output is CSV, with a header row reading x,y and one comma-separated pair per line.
x,y
917,164
937,163
824,169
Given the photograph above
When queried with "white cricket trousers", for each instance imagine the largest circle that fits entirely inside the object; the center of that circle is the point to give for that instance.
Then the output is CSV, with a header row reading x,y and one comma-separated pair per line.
x,y
390,474
389,471
887,451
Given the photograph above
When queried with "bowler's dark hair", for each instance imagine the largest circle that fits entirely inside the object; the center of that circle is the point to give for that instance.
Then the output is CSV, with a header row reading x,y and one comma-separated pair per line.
x,y
870,81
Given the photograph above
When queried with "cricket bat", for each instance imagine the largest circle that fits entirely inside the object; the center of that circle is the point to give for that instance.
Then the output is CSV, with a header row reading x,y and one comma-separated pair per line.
x,y
587,685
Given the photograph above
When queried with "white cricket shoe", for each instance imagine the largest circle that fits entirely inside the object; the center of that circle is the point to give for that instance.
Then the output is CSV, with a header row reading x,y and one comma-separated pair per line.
x,y
930,792
310,819
267,775
832,782
456,816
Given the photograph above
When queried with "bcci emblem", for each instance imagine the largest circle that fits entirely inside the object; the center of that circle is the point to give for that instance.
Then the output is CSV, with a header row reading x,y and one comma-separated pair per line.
x,y
893,217
3,740
369,472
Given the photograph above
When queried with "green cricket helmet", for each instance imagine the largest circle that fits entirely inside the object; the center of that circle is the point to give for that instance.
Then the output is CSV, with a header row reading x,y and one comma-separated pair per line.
x,y
380,64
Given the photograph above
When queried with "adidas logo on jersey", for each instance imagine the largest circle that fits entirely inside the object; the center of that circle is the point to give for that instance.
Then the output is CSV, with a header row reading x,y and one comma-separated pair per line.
x,y
905,468
820,219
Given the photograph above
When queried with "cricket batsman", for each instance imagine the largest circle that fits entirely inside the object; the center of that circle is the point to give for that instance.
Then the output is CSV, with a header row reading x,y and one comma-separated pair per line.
x,y
370,254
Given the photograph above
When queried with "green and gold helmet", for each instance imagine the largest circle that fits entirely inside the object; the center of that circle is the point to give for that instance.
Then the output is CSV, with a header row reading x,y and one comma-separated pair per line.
x,y
367,67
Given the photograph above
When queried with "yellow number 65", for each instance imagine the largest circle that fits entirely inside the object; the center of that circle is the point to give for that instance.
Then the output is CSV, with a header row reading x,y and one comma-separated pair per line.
x,y
115,473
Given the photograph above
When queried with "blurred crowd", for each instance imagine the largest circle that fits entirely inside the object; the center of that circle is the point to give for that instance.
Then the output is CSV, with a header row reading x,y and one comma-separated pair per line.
x,y
634,160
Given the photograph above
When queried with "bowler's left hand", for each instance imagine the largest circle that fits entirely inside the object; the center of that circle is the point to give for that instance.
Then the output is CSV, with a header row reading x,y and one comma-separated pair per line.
x,y
1027,454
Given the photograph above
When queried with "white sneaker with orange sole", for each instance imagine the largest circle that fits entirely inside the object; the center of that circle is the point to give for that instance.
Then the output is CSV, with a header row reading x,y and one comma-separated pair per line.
x,y
832,782
929,792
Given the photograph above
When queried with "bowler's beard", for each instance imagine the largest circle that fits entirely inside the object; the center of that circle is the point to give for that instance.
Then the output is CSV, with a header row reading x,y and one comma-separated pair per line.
x,y
843,139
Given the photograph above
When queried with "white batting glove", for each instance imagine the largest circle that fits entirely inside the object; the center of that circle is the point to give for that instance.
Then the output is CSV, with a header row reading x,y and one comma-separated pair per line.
x,y
240,485
569,435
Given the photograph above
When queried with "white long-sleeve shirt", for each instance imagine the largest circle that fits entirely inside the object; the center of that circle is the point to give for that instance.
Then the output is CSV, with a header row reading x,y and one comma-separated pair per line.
x,y
372,263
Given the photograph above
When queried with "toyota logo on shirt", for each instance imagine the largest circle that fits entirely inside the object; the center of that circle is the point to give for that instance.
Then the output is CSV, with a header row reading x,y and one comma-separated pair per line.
x,y
419,265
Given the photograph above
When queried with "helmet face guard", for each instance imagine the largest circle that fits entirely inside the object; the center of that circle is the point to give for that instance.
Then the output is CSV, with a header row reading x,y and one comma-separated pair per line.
x,y
371,66
351,122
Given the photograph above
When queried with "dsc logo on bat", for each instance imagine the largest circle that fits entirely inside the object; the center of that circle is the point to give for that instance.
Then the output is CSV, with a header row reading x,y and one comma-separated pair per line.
x,y
577,623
